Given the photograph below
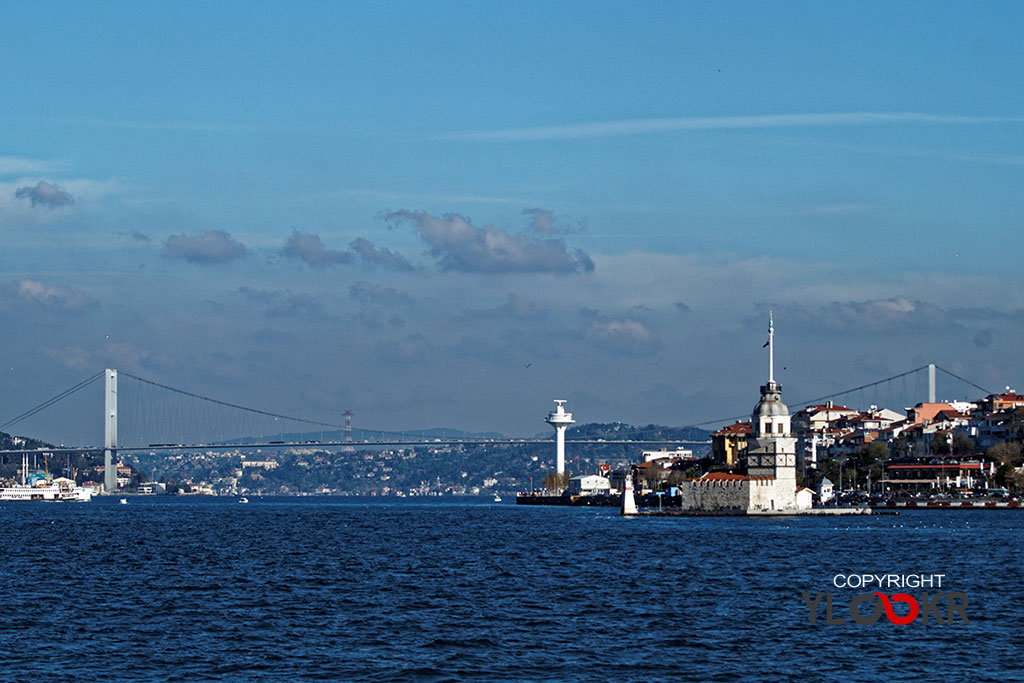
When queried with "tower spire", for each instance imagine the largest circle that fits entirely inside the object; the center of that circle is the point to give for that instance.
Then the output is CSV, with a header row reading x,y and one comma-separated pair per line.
x,y
771,349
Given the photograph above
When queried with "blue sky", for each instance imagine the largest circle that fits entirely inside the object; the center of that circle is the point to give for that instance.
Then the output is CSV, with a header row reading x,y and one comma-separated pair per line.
x,y
396,207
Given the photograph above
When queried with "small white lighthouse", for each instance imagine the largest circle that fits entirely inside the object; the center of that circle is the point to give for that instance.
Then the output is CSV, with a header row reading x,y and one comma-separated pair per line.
x,y
560,420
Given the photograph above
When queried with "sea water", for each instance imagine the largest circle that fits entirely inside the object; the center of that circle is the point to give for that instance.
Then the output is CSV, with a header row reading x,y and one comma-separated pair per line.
x,y
186,588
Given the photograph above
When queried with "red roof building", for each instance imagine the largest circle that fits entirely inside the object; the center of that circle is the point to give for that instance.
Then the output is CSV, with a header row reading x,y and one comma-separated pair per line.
x,y
729,443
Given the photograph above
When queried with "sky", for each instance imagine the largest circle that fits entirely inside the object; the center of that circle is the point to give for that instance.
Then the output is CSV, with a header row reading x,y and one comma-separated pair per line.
x,y
451,213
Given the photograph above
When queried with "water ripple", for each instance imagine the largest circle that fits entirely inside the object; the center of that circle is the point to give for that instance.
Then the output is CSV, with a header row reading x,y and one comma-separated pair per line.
x,y
190,589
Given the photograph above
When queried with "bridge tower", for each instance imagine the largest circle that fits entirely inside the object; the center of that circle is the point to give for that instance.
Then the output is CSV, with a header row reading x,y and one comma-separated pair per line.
x,y
931,382
348,433
560,420
110,433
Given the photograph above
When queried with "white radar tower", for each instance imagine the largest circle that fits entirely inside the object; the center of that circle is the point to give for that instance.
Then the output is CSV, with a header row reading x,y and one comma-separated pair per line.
x,y
560,420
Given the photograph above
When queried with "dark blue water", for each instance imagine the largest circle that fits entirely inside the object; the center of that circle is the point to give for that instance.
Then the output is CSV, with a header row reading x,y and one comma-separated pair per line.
x,y
182,589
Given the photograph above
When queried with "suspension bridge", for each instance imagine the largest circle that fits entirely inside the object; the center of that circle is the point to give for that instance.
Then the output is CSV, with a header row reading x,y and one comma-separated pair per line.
x,y
166,418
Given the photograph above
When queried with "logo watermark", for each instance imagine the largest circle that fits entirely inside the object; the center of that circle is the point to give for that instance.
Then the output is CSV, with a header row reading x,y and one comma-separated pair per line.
x,y
942,607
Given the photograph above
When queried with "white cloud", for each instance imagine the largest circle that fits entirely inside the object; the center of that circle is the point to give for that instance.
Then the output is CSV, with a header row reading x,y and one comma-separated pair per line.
x,y
603,129
625,336
310,248
37,293
541,221
45,194
379,256
459,245
212,246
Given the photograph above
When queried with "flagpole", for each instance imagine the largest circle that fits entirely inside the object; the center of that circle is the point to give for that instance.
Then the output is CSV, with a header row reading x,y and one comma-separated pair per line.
x,y
771,349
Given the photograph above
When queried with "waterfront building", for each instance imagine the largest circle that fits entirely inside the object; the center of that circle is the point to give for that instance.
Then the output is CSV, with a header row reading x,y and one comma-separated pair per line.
x,y
667,457
729,444
588,485
939,472
770,482
826,490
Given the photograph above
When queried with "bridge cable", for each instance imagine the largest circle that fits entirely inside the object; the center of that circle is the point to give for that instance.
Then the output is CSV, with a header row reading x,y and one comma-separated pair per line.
x,y
261,412
49,402
229,405
838,394
965,381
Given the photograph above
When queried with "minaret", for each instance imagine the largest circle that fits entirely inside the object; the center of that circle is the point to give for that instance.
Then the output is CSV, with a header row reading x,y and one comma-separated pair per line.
x,y
560,420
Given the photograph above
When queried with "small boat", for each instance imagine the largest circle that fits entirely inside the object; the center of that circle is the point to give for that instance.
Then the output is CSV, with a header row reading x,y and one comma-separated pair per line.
x,y
497,498
124,501
243,499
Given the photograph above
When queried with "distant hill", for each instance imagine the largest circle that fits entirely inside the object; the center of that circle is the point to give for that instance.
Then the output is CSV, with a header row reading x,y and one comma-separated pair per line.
x,y
596,430
431,469
60,463
619,431
359,435
9,442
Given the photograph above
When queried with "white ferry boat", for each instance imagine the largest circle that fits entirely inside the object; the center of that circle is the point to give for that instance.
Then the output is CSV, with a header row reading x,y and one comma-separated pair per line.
x,y
45,492
57,490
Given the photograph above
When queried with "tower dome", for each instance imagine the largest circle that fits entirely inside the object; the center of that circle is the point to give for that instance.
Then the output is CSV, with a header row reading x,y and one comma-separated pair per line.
x,y
771,404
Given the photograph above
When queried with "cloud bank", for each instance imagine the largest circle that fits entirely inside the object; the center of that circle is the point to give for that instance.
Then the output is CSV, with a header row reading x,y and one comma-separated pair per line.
x,y
379,256
624,336
458,245
369,293
284,303
41,294
212,246
310,248
542,221
46,195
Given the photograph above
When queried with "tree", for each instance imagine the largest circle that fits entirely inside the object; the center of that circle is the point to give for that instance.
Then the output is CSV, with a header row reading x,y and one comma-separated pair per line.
x,y
904,446
962,444
556,482
939,444
828,469
1003,474
1010,453
866,463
